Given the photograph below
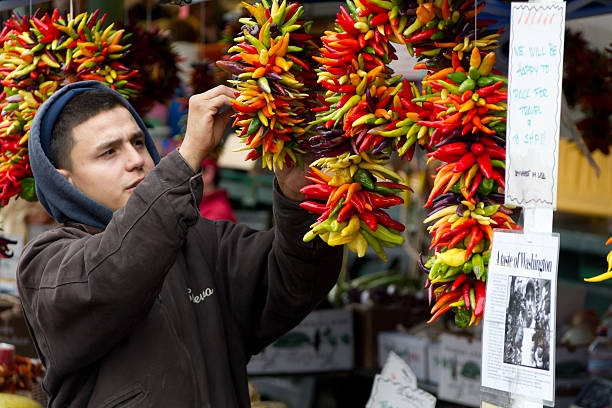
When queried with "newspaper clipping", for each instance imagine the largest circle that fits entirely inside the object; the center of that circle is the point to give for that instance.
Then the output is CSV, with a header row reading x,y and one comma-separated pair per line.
x,y
519,324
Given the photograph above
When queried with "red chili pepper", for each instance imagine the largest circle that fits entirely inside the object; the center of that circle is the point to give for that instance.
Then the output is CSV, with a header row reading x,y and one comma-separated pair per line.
x,y
358,201
386,220
379,19
368,141
475,185
370,219
392,185
499,179
440,312
456,149
484,162
475,236
458,282
496,152
450,296
313,207
317,191
478,148
346,212
480,288
458,238
466,295
489,89
423,35
384,202
465,163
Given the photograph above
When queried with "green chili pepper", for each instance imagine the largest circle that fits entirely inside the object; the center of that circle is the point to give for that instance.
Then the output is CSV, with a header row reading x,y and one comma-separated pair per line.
x,y
467,267
498,163
438,35
28,190
253,126
373,242
451,88
467,85
385,190
489,210
486,186
457,77
478,265
363,177
474,73
485,81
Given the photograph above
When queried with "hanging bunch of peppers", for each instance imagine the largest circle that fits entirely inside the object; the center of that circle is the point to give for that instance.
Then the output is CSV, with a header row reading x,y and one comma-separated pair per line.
x,y
468,105
156,60
434,29
39,56
352,138
273,80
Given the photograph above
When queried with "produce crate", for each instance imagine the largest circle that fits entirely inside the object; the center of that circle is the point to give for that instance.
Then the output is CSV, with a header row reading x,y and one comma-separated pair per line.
x,y
579,189
323,341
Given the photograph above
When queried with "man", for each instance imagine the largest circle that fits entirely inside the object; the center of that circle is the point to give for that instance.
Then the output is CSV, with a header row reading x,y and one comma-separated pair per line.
x,y
136,299
530,305
529,328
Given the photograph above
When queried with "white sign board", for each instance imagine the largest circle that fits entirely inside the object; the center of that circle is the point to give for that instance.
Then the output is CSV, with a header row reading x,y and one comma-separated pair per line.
x,y
534,103
396,387
518,353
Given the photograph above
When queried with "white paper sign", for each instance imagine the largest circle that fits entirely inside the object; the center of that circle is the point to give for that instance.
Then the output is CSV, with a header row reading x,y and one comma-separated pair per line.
x,y
518,353
534,103
397,370
389,394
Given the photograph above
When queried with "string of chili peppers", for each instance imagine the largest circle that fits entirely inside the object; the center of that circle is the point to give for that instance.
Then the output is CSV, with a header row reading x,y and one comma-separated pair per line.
x,y
39,56
352,139
468,105
273,80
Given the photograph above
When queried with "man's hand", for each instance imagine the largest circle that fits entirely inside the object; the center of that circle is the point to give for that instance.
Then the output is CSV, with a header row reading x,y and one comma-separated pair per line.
x,y
206,122
291,180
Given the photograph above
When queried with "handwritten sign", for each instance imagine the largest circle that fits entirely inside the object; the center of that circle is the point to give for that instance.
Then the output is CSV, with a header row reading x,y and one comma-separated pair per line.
x,y
387,393
534,103
396,387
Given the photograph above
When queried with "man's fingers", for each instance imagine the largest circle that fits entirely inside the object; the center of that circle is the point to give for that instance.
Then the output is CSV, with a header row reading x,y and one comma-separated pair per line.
x,y
216,91
215,104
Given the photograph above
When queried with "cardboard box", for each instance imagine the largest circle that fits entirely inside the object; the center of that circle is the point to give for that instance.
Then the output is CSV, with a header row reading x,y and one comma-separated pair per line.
x,y
413,350
323,341
460,370
434,362
369,321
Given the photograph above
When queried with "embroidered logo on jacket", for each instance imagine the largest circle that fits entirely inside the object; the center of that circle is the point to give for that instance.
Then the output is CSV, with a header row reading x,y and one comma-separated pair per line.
x,y
198,298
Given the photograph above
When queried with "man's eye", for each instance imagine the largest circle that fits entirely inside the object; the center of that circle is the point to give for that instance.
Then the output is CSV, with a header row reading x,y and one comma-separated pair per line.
x,y
139,142
108,152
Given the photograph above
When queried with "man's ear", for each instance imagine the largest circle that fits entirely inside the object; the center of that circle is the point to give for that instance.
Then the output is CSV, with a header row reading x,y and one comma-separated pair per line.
x,y
66,174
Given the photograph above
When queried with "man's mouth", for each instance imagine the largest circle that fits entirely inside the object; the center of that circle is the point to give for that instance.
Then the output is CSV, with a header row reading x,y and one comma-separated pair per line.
x,y
134,184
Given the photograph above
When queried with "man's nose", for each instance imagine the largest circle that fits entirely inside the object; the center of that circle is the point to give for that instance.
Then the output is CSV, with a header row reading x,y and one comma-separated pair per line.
x,y
134,158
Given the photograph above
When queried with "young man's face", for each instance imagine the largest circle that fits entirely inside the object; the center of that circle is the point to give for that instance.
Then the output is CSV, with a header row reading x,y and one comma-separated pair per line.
x,y
109,157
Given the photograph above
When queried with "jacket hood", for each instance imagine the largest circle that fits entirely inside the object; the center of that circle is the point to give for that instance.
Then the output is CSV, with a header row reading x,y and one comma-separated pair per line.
x,y
60,198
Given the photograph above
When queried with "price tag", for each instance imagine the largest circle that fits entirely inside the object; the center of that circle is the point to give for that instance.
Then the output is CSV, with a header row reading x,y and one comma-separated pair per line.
x,y
534,103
